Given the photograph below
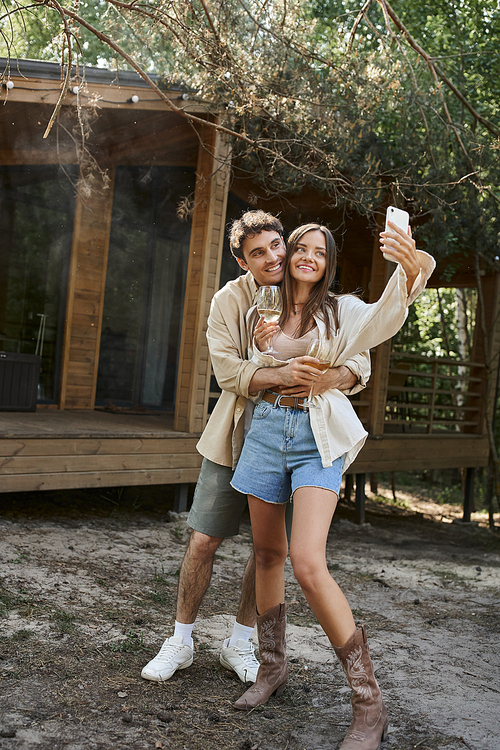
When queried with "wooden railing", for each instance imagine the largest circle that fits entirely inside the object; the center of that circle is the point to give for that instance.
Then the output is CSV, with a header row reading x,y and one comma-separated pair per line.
x,y
432,395
425,395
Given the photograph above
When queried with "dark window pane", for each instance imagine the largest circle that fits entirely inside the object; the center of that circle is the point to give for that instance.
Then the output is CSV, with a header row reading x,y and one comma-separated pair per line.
x,y
36,227
145,281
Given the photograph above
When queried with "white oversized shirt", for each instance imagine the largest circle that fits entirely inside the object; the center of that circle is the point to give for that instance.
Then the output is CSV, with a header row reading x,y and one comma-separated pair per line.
x,y
223,436
335,425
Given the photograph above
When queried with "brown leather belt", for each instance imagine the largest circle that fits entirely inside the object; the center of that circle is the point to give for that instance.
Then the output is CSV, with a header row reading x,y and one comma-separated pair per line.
x,y
289,401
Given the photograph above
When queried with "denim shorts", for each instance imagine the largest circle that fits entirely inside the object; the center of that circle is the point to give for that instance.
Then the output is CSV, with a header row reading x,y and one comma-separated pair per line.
x,y
280,455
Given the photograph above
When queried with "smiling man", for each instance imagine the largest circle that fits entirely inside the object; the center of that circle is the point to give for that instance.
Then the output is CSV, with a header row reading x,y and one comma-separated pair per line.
x,y
256,242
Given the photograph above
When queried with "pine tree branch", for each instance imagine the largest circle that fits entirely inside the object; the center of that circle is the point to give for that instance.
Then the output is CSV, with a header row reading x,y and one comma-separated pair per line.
x,y
336,182
435,69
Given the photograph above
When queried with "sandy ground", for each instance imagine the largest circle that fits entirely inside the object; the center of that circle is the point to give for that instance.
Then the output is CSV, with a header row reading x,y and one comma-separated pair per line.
x,y
87,596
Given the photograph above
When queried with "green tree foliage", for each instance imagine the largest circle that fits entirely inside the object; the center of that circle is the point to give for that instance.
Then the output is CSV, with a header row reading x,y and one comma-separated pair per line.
x,y
423,131
432,327
366,102
36,32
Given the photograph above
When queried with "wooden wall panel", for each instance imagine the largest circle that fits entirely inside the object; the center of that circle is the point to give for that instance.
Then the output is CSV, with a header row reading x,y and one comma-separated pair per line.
x,y
416,453
85,301
205,255
59,462
491,295
71,480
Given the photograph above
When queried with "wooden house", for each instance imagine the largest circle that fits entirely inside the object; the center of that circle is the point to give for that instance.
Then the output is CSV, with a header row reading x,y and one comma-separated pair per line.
x,y
107,276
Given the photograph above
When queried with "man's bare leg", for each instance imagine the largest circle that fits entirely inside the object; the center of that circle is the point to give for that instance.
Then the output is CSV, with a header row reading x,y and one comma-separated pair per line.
x,y
194,579
195,574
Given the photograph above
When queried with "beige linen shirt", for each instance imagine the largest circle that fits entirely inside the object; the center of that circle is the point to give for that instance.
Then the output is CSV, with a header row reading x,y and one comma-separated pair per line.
x,y
335,425
222,438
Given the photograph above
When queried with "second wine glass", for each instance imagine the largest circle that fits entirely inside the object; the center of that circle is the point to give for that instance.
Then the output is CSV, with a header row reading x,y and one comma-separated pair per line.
x,y
269,307
320,349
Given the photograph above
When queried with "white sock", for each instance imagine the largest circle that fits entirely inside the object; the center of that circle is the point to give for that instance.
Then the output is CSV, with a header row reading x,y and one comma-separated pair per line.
x,y
184,630
240,632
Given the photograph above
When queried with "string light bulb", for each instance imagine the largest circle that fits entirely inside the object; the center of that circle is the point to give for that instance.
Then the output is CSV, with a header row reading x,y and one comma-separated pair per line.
x,y
9,85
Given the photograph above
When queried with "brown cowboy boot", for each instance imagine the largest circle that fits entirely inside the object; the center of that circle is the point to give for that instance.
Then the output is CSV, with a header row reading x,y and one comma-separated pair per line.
x,y
369,721
273,671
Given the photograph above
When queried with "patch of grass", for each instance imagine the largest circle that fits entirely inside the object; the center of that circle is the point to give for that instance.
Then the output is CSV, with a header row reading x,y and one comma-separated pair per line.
x,y
22,635
160,577
447,575
112,614
114,496
64,621
161,593
21,557
448,496
357,574
133,643
398,503
9,600
6,600
159,597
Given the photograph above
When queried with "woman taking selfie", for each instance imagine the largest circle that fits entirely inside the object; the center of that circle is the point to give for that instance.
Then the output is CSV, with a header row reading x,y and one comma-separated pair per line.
x,y
301,449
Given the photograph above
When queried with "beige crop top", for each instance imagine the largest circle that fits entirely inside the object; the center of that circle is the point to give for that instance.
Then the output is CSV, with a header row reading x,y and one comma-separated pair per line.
x,y
287,347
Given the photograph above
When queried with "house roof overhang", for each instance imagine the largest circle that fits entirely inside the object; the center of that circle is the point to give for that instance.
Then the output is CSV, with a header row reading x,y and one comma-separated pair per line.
x,y
125,121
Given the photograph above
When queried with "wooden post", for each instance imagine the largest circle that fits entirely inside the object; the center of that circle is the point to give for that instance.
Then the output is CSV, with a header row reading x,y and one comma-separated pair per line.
x,y
205,256
477,384
360,498
348,485
468,494
180,498
84,307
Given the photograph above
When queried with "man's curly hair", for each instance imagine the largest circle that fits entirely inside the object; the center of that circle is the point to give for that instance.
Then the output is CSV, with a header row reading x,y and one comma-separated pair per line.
x,y
250,224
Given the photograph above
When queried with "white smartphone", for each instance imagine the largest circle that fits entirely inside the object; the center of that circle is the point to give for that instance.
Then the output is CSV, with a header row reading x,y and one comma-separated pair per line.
x,y
398,217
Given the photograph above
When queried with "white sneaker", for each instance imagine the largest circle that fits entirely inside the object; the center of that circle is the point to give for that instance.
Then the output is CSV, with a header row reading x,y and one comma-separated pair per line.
x,y
173,655
241,659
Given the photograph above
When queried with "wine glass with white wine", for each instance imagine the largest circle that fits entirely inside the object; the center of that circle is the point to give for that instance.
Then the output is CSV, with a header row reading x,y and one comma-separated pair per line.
x,y
269,307
320,349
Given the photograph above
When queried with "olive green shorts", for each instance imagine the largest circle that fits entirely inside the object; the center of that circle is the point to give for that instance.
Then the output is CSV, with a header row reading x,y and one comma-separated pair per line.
x,y
217,507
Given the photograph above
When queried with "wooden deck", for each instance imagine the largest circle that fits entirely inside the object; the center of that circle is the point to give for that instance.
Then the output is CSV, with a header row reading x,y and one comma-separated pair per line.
x,y
405,452
48,450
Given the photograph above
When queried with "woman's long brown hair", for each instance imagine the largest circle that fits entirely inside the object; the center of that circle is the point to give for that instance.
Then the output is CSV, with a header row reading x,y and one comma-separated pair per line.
x,y
321,300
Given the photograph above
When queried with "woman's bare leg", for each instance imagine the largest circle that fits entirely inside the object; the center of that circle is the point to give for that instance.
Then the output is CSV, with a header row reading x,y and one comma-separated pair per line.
x,y
271,548
313,510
